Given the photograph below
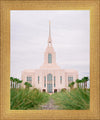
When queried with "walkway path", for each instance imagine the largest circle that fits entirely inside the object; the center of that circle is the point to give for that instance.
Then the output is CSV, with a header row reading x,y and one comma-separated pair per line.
x,y
50,105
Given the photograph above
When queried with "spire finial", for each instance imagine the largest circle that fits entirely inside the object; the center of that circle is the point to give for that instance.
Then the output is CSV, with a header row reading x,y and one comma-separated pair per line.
x,y
49,28
49,39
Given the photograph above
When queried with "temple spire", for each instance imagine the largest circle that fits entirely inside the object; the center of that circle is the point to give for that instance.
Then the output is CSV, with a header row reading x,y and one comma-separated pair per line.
x,y
49,39
49,29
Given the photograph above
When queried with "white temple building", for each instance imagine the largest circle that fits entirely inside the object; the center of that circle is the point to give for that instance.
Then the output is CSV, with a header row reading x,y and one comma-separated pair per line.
x,y
50,77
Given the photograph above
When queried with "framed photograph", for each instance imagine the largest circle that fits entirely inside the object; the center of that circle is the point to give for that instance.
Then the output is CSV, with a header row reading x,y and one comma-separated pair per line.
x,y
57,51
49,60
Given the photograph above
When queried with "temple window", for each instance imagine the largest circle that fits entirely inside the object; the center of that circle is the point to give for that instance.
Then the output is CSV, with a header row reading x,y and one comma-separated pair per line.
x,y
49,58
70,79
38,79
60,79
54,81
44,81
29,79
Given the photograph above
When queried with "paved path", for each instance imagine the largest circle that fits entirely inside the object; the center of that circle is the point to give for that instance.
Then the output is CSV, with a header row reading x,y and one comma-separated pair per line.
x,y
50,105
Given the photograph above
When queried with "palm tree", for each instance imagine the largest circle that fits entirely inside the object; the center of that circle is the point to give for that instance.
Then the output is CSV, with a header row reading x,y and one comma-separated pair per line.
x,y
16,81
27,85
71,85
11,79
13,82
77,81
19,82
85,81
82,83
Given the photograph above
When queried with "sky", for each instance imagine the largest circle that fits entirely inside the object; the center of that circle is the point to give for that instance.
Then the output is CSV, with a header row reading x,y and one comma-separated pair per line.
x,y
70,33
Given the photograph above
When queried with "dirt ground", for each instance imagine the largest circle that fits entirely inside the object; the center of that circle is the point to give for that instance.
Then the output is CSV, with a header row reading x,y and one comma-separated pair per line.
x,y
50,105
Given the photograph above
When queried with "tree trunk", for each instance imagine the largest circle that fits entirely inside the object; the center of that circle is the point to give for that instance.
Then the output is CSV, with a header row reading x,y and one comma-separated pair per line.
x,y
81,85
25,86
19,85
15,84
84,85
11,84
77,85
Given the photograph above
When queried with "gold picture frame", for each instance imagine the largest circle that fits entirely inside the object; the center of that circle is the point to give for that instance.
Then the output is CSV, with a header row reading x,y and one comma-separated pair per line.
x,y
5,112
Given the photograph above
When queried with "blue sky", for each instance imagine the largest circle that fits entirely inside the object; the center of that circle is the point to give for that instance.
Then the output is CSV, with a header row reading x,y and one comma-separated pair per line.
x,y
70,32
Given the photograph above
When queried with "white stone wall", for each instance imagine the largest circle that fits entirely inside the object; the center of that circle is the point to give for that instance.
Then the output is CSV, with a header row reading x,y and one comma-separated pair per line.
x,y
55,72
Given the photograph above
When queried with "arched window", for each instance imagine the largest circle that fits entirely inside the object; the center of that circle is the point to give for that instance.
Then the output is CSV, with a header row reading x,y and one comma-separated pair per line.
x,y
60,79
70,79
44,81
54,81
49,58
38,79
49,83
29,79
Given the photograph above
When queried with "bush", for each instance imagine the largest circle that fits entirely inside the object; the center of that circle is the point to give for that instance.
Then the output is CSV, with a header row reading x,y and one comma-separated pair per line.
x,y
76,99
23,99
63,90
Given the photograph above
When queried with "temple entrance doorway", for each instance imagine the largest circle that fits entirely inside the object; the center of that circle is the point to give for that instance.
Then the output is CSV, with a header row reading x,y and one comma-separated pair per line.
x,y
55,90
44,90
49,83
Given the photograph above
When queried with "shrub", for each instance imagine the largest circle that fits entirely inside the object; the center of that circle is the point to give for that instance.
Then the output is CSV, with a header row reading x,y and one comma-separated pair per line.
x,y
23,99
76,99
27,85
63,90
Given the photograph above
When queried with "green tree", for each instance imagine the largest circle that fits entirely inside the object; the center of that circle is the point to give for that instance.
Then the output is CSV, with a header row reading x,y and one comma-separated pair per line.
x,y
85,79
27,85
19,82
80,83
13,82
16,82
11,79
71,85
77,81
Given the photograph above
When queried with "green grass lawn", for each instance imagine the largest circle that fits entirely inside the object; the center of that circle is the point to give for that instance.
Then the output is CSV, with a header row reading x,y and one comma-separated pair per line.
x,y
76,99
24,99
